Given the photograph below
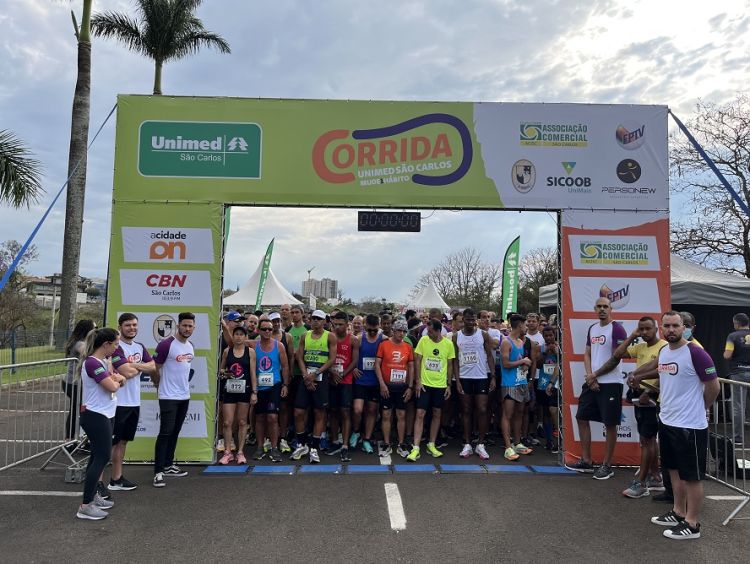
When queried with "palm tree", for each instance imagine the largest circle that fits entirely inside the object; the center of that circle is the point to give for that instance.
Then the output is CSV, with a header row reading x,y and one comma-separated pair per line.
x,y
19,172
164,30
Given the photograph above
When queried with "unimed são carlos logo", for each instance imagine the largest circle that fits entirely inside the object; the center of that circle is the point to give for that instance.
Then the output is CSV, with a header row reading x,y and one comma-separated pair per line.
x,y
199,149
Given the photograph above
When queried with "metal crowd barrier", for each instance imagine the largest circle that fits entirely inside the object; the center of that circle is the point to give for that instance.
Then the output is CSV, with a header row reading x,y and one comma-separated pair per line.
x,y
728,446
37,417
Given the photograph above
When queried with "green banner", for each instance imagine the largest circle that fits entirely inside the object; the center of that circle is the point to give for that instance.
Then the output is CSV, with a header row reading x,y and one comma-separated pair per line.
x,y
510,277
263,276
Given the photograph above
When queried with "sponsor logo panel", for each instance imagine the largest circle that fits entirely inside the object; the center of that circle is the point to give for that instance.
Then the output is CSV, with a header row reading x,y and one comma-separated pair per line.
x,y
630,134
545,134
523,175
195,421
627,430
628,295
155,327
570,182
166,287
198,378
167,244
624,252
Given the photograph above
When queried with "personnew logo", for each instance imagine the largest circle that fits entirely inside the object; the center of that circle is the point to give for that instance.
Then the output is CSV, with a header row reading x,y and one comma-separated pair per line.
x,y
430,150
199,149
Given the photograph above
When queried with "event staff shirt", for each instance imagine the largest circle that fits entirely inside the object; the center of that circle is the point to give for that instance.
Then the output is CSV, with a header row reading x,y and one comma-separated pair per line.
x,y
682,372
435,358
603,342
95,397
175,358
129,353
738,343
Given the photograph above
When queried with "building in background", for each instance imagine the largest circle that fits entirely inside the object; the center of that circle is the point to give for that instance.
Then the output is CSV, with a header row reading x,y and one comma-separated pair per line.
x,y
326,288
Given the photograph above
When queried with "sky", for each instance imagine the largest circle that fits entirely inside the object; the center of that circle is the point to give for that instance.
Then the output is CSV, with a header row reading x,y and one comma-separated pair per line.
x,y
589,51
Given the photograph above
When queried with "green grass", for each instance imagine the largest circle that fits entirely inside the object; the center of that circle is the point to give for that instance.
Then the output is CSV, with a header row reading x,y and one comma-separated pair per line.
x,y
31,354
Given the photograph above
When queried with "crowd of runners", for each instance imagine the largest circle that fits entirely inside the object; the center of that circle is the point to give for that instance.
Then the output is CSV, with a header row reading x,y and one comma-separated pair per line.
x,y
304,385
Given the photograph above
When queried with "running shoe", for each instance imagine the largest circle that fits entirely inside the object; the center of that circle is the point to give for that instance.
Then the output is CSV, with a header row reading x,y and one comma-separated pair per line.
x,y
555,447
226,459
102,490
266,445
402,451
299,452
442,443
414,455
259,454
510,454
344,454
482,452
250,440
604,472
668,519
274,455
367,447
241,458
102,503
354,440
581,466
467,451
284,446
530,440
433,450
175,471
663,497
521,448
314,458
655,483
159,480
333,449
91,511
220,445
384,449
123,484
636,490
683,531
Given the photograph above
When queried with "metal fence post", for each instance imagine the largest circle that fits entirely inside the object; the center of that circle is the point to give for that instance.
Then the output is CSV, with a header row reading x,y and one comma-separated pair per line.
x,y
13,349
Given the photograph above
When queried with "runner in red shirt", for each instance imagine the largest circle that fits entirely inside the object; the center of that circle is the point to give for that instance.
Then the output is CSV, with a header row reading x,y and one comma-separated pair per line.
x,y
347,356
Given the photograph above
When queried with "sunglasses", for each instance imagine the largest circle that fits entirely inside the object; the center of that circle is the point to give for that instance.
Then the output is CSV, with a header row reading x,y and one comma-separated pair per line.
x,y
266,329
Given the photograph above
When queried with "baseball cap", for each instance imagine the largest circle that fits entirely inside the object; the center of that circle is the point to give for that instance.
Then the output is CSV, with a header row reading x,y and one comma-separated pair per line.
x,y
400,326
319,313
274,315
232,316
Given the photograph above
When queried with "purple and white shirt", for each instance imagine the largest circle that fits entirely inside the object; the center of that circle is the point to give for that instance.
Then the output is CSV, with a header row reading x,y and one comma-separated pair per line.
x,y
682,372
95,397
175,358
128,353
603,341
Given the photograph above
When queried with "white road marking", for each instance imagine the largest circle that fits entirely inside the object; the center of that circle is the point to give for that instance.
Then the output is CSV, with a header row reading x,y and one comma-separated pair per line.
x,y
38,493
385,460
395,507
726,497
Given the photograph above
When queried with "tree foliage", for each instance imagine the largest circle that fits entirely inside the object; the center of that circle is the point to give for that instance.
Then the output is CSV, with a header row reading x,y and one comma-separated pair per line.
x,y
537,268
15,306
20,172
716,230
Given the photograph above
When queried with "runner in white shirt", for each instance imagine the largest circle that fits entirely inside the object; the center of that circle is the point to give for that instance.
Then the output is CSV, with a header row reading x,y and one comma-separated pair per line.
x,y
173,358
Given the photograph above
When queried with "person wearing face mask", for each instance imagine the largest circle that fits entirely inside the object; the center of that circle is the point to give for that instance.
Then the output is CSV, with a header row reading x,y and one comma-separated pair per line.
x,y
688,320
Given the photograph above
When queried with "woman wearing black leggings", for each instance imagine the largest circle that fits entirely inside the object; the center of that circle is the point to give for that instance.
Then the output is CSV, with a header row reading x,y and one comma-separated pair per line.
x,y
74,347
98,407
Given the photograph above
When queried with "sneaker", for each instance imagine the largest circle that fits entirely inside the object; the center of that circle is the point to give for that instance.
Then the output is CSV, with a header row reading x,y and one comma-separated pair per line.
x,y
636,490
250,440
531,440
510,454
384,449
91,511
555,447
604,472
402,451
274,455
668,519
482,452
354,440
581,466
102,490
266,445
102,503
123,484
663,497
521,448
344,454
314,458
467,451
175,471
159,480
220,445
442,443
432,449
367,447
241,458
284,446
414,455
299,452
224,460
655,483
259,454
334,448
683,531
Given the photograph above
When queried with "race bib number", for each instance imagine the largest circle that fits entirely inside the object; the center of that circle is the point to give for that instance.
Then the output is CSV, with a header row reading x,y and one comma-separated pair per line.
x,y
433,364
521,375
469,357
265,379
368,363
398,376
338,368
549,369
236,386
312,370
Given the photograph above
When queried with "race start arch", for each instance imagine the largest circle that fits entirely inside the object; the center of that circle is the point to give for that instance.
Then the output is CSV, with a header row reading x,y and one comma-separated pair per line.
x,y
180,161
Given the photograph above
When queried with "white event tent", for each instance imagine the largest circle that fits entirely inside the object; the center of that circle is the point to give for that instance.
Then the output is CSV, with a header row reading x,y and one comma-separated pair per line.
x,y
427,298
274,294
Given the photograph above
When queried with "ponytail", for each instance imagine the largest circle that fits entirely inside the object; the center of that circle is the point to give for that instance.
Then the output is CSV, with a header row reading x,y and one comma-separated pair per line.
x,y
95,339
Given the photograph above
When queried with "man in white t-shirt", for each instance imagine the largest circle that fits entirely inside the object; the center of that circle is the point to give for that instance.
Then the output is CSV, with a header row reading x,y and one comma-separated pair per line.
x,y
173,359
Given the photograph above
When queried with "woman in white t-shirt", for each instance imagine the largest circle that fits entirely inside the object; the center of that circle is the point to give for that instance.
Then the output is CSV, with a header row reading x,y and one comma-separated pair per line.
x,y
70,382
98,405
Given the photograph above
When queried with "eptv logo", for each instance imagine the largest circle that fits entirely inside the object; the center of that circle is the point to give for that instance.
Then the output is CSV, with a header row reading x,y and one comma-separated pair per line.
x,y
186,245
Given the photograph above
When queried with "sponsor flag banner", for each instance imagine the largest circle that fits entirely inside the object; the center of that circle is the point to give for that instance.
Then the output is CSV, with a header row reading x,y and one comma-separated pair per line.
x,y
510,276
264,275
624,257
